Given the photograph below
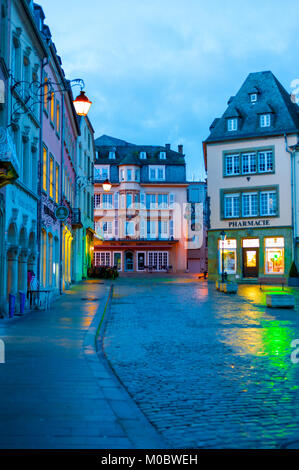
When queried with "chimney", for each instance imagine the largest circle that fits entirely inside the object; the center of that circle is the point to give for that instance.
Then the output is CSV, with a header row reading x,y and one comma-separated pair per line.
x,y
180,149
167,146
293,98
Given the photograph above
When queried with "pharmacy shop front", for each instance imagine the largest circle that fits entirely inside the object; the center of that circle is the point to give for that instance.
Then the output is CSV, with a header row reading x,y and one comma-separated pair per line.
x,y
248,255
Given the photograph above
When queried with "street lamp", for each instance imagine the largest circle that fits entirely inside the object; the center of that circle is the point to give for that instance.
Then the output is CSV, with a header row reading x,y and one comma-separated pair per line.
x,y
82,104
107,186
223,238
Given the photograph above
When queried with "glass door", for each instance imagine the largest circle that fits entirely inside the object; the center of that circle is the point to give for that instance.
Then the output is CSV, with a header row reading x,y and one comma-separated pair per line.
x,y
250,262
129,261
141,261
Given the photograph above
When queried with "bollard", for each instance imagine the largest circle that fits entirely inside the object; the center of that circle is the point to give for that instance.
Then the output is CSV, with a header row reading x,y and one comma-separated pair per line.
x,y
22,302
12,303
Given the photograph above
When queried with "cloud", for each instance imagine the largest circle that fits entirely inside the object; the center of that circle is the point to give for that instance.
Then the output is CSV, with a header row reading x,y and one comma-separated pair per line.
x,y
161,71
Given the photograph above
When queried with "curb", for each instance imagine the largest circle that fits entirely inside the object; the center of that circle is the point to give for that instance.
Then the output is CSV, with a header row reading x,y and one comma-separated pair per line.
x,y
136,427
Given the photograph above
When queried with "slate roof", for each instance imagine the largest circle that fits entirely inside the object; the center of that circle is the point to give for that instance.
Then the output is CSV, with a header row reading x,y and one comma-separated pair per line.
x,y
129,154
272,98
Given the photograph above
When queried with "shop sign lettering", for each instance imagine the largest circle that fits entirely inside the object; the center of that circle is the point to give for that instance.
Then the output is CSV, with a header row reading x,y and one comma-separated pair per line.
x,y
250,223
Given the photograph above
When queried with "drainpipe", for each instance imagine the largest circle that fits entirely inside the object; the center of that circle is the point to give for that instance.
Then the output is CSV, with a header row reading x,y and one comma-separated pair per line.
x,y
293,191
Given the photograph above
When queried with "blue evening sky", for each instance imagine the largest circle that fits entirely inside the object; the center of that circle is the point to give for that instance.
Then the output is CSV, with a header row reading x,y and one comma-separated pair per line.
x,y
160,71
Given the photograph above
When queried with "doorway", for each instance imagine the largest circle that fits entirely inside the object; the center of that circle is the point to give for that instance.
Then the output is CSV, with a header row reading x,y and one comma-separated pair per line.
x,y
141,260
129,261
250,262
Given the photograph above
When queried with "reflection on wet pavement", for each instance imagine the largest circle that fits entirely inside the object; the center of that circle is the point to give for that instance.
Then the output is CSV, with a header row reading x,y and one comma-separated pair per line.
x,y
208,370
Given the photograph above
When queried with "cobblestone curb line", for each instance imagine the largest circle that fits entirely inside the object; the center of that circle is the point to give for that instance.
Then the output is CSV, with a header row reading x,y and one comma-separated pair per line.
x,y
135,425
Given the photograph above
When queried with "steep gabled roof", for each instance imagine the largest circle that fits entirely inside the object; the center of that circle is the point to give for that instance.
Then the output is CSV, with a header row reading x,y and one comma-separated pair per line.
x,y
129,154
272,98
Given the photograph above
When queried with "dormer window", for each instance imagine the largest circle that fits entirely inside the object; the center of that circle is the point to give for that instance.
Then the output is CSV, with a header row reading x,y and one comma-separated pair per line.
x,y
232,124
112,155
265,120
253,97
142,155
162,155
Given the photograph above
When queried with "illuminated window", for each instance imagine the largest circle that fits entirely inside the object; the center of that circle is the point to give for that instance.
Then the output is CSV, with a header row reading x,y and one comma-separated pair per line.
x,y
58,117
57,184
51,177
44,257
228,249
46,91
52,107
274,255
50,260
45,169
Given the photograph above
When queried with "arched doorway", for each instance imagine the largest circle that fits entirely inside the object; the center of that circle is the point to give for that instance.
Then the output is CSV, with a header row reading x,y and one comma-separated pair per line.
x,y
129,261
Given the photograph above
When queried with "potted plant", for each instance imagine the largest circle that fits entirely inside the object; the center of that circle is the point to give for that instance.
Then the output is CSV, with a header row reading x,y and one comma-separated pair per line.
x,y
293,280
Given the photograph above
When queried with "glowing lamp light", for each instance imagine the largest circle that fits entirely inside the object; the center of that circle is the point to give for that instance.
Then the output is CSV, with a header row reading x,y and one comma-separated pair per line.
x,y
107,186
82,104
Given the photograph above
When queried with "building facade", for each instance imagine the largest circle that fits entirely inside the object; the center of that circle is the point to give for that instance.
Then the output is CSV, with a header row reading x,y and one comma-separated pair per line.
x,y
83,240
197,228
26,54
250,182
140,224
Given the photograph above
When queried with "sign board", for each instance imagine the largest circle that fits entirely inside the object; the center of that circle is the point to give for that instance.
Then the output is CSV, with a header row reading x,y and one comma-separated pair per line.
x,y
62,213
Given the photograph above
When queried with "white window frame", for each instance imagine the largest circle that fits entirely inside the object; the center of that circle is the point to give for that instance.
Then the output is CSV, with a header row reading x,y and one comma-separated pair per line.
x,y
251,194
112,155
265,120
155,169
234,197
121,259
253,97
145,260
235,164
142,155
251,158
269,163
232,124
132,223
99,170
100,255
162,155
268,212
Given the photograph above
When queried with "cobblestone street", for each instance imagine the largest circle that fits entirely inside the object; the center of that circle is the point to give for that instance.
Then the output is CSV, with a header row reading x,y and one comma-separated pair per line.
x,y
208,370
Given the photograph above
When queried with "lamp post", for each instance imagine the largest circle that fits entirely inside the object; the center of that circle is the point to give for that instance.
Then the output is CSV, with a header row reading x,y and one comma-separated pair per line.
x,y
82,104
223,238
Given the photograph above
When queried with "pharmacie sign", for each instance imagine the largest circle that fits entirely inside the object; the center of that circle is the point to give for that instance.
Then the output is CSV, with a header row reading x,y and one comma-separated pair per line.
x,y
249,223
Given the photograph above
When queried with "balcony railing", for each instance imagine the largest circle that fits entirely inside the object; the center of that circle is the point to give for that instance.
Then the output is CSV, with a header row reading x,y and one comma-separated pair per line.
x,y
9,164
76,218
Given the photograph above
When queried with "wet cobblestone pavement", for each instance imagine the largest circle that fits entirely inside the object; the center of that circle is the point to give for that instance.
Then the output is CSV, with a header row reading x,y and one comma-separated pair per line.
x,y
208,370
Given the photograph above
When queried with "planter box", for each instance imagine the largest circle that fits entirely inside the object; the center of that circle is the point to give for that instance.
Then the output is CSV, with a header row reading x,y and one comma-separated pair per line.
x,y
293,281
280,301
230,288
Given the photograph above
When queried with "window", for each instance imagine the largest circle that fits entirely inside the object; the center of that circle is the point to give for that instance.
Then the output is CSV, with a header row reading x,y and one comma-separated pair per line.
x,y
101,173
97,200
248,163
268,203
111,155
51,177
249,205
52,107
129,175
107,229
232,164
265,161
253,97
45,169
57,184
229,250
107,201
158,259
58,117
116,201
164,229
152,228
122,175
157,173
231,205
171,200
151,201
129,201
162,155
137,175
130,228
26,77
102,258
142,155
274,255
232,124
163,201
265,120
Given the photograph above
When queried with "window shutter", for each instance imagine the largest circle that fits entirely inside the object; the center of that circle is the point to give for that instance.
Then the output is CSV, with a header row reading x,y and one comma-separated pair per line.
x,y
142,200
171,199
116,201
